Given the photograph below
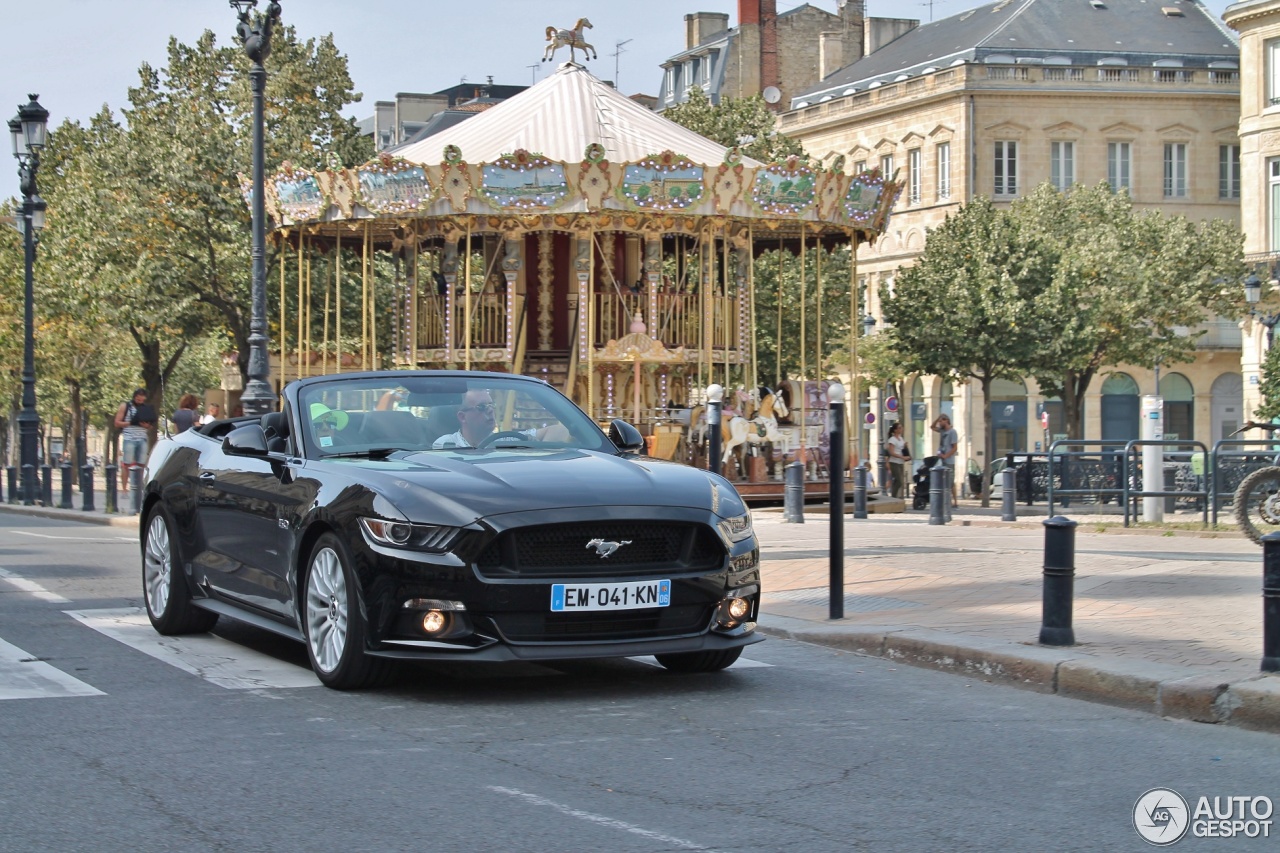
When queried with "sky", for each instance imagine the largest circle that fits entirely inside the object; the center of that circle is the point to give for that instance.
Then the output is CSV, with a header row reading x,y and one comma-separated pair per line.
x,y
81,54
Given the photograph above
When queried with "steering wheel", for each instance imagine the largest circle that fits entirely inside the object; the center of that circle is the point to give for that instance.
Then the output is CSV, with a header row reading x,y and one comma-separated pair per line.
x,y
506,433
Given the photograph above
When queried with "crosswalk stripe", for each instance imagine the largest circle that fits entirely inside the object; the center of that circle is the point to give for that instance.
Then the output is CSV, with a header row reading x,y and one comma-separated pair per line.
x,y
31,587
212,658
24,677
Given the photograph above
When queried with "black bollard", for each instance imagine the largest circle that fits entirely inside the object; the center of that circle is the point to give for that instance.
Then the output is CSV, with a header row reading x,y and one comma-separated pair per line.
x,y
713,436
1271,602
936,479
46,485
86,487
1008,495
109,503
860,491
66,488
835,467
29,485
1059,582
135,486
14,497
793,494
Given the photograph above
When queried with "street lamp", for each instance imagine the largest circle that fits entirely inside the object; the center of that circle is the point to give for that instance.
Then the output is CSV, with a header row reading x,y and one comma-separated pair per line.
x,y
1253,295
257,398
27,131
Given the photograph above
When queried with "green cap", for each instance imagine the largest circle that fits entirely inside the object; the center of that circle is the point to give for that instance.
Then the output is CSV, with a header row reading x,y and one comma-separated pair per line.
x,y
320,413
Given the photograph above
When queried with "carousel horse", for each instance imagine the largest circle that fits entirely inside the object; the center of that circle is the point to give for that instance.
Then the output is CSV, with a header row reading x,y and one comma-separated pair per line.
x,y
571,39
762,428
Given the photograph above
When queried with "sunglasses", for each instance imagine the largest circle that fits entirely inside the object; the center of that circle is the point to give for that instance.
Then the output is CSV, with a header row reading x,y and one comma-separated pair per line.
x,y
482,408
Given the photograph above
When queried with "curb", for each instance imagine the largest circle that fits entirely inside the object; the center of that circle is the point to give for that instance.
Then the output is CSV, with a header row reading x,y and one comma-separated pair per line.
x,y
96,517
1244,698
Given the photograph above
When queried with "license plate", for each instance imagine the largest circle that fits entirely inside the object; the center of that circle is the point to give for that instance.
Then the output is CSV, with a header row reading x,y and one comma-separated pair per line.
x,y
610,596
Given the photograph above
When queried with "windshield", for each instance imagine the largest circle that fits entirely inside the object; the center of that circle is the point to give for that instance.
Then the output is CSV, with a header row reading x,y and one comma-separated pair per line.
x,y
403,411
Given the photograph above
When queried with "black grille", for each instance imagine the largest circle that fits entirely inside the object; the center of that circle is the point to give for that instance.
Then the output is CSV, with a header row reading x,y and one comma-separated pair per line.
x,y
562,550
676,620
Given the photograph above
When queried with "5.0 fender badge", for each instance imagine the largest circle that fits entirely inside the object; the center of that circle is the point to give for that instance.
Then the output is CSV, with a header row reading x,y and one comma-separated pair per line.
x,y
604,549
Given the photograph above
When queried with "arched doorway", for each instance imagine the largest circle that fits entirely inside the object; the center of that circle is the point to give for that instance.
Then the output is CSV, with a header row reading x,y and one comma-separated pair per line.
x,y
1227,408
918,429
1008,416
1179,407
1119,408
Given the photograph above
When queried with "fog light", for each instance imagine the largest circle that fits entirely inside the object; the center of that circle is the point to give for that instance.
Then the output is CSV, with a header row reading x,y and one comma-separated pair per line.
x,y
738,608
433,621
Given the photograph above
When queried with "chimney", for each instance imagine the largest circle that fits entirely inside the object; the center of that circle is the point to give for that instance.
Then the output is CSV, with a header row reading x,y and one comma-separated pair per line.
x,y
830,54
699,25
769,72
749,12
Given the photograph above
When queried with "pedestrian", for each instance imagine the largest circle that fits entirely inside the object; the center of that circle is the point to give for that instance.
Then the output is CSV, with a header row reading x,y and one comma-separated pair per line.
x,y
948,444
134,418
895,447
187,415
215,412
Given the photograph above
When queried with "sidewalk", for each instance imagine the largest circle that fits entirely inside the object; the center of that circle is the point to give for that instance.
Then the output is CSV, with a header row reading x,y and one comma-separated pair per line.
x,y
98,515
1166,621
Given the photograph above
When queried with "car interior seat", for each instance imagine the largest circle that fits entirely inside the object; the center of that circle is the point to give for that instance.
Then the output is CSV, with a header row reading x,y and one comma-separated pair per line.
x,y
395,428
442,420
276,427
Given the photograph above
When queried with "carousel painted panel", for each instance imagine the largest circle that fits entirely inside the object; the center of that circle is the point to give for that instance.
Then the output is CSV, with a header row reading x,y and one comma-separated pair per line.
x,y
299,196
392,185
663,181
861,200
524,181
784,189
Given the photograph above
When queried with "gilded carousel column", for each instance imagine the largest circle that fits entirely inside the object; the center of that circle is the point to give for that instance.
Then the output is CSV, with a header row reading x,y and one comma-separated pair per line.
x,y
449,268
653,273
512,263
740,260
582,269
546,288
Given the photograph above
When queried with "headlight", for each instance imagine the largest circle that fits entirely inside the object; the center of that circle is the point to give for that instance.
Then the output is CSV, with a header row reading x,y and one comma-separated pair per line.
x,y
432,538
737,528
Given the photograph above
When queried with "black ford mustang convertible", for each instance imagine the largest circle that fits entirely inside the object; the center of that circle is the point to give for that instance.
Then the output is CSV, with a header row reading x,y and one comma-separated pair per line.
x,y
445,516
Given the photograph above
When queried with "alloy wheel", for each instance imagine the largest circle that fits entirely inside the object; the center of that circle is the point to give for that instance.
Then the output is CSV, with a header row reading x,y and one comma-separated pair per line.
x,y
327,610
157,566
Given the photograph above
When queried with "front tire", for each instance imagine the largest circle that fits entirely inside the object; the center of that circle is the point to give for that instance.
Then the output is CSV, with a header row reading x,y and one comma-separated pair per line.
x,y
710,661
165,591
333,621
1257,503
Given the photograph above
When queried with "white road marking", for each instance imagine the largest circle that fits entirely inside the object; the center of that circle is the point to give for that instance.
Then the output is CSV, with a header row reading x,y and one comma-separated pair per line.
x,y
740,663
612,823
76,538
214,659
31,587
24,677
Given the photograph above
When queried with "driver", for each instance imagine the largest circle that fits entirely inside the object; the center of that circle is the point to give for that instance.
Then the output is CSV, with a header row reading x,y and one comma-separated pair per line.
x,y
476,421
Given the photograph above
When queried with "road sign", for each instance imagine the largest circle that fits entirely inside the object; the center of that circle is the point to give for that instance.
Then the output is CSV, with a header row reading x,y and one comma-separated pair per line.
x,y
1044,419
891,404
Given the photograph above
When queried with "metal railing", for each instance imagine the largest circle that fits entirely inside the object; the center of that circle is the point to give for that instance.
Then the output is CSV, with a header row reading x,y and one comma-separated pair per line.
x,y
1109,470
1132,494
1227,467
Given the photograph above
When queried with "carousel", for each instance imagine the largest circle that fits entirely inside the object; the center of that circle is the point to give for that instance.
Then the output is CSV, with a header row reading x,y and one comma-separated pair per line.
x,y
570,234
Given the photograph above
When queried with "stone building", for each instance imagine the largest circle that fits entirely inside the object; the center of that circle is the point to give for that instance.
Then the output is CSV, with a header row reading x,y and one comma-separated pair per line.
x,y
1258,23
1001,98
768,53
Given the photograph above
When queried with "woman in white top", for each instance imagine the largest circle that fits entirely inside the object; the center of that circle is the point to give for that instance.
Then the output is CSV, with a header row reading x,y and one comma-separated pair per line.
x,y
896,448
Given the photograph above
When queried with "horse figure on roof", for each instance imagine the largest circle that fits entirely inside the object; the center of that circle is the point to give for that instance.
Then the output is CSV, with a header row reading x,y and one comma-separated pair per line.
x,y
571,38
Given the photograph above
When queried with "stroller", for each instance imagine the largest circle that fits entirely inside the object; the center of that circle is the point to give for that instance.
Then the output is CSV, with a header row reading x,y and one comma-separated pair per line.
x,y
920,483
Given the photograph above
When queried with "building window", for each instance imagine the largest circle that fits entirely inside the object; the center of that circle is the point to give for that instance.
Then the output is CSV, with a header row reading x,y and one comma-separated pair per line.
x,y
1273,195
1273,72
944,170
886,167
1174,75
1006,167
1175,170
1062,165
1119,165
913,164
859,166
1228,171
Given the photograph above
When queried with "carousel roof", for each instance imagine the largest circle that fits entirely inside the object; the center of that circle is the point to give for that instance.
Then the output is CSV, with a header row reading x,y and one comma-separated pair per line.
x,y
558,118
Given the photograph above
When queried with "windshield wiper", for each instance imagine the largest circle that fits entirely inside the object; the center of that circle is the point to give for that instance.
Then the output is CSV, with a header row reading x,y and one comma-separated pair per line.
x,y
371,453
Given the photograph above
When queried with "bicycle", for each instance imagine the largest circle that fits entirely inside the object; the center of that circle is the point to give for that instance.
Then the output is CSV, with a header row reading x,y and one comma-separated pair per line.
x,y
1257,498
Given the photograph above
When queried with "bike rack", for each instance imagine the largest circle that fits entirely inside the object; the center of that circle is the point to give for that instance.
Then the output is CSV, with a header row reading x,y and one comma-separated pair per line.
x,y
1130,449
1268,449
1116,447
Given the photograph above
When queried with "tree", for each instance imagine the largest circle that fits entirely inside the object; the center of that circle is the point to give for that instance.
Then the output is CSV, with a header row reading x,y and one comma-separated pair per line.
x,y
778,284
1117,283
968,307
743,123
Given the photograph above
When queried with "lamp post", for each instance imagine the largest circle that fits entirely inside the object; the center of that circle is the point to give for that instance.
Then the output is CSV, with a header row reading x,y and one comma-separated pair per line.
x,y
1253,295
882,469
257,398
27,131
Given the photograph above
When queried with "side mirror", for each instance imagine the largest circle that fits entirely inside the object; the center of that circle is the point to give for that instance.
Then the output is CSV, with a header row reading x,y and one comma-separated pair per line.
x,y
248,440
625,437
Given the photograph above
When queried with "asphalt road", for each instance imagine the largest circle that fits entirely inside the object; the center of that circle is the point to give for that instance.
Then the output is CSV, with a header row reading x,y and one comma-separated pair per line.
x,y
192,746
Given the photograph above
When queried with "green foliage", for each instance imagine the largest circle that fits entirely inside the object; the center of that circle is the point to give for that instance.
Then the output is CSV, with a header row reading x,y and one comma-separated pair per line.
x,y
1269,386
733,121
835,306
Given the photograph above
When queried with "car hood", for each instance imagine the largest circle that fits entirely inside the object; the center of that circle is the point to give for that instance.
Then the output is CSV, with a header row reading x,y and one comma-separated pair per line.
x,y
459,487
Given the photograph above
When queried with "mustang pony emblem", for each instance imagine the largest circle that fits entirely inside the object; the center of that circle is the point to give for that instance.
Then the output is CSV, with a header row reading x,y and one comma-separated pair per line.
x,y
604,549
